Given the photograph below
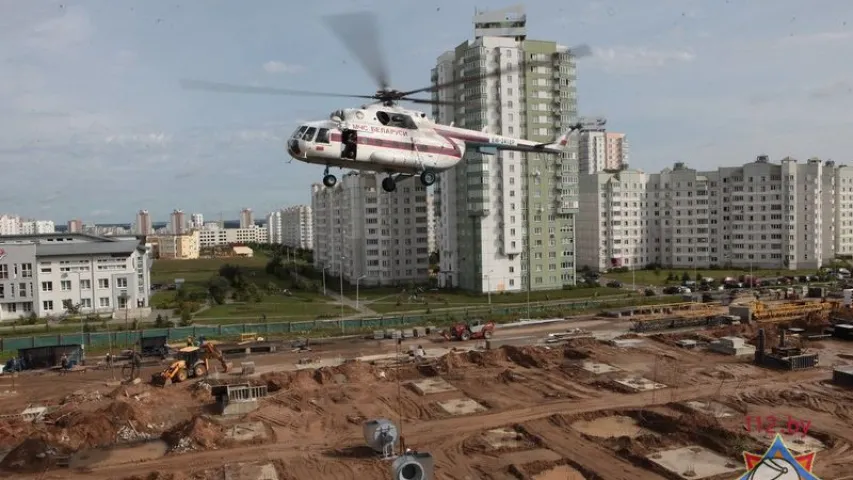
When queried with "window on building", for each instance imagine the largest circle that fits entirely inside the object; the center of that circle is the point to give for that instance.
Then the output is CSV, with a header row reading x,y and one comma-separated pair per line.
x,y
65,285
47,305
104,302
103,283
121,282
46,286
85,284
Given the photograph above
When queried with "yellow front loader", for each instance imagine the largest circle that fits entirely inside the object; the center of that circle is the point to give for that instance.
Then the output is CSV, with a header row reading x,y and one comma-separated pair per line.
x,y
191,362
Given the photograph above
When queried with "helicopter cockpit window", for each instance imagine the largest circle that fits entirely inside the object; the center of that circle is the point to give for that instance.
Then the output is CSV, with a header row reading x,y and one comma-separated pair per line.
x,y
396,120
299,131
322,136
309,135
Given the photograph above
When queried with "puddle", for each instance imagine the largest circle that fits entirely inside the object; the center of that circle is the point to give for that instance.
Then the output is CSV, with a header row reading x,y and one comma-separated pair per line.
x,y
116,456
562,472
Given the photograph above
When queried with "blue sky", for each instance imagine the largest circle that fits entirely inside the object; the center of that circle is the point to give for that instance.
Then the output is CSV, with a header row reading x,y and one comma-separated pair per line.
x,y
93,123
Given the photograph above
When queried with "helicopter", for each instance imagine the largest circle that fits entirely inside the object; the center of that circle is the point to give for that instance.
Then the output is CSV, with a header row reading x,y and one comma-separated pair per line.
x,y
384,137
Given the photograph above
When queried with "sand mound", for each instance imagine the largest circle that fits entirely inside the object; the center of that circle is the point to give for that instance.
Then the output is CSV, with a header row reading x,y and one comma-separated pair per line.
x,y
199,433
119,420
158,476
488,358
529,357
13,431
355,371
32,455
297,380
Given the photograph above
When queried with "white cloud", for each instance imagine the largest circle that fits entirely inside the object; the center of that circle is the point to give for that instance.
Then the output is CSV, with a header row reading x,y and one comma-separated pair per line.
x,y
637,59
60,33
836,89
138,139
275,66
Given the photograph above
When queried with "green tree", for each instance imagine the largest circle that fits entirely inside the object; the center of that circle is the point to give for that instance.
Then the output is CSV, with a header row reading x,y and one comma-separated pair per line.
x,y
186,317
685,277
218,288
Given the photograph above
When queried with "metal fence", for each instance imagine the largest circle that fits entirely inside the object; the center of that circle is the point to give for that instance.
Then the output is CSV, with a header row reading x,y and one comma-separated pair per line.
x,y
283,328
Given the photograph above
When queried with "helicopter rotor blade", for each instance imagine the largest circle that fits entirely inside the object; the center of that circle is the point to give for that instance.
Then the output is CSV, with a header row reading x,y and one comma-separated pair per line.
x,y
579,51
359,33
231,88
427,101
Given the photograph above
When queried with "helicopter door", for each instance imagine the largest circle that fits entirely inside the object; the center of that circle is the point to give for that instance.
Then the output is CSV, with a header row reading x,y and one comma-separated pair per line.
x,y
349,144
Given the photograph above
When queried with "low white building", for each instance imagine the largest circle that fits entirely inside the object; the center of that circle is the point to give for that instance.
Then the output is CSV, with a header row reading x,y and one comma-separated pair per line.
x,y
213,235
379,237
45,274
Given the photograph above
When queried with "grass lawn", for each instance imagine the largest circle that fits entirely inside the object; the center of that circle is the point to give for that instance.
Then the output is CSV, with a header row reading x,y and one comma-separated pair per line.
x,y
438,300
200,270
650,277
300,306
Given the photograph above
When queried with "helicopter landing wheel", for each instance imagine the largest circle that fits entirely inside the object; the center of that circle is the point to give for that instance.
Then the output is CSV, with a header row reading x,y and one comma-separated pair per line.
x,y
388,184
427,178
329,180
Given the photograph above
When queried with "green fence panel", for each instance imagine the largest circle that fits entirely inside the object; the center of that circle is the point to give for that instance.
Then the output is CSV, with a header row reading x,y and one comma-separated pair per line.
x,y
371,322
46,341
259,328
278,327
352,324
17,343
302,326
155,332
73,339
181,333
233,330
98,339
207,331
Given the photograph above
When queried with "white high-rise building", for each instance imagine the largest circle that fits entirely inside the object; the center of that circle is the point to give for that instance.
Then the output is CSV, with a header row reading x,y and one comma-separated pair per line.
x,y
366,233
247,218
599,150
274,227
37,227
196,221
297,227
764,215
507,221
10,225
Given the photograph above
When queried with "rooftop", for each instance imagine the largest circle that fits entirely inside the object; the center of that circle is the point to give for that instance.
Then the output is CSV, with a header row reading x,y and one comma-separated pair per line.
x,y
62,244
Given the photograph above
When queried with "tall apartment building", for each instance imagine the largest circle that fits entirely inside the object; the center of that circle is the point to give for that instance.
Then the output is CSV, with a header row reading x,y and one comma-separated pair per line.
x,y
247,218
37,227
177,222
508,219
366,233
297,227
273,227
196,221
762,214
599,150
75,226
143,225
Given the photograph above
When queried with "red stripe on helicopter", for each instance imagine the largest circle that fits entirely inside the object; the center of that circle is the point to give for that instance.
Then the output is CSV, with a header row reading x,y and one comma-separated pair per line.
x,y
409,146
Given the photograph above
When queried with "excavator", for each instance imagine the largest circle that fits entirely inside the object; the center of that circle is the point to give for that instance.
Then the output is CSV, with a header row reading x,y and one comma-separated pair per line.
x,y
192,362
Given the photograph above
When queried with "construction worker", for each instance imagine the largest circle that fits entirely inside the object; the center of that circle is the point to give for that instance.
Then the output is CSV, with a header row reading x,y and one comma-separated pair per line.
x,y
64,364
190,341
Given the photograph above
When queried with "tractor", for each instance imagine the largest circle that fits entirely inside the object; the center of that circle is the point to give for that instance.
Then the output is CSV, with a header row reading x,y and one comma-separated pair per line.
x,y
477,330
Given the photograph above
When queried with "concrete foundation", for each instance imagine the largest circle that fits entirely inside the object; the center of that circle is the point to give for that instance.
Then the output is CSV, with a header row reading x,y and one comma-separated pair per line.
x,y
714,409
639,384
504,438
628,342
461,406
245,432
611,427
432,385
599,368
495,343
695,462
732,346
250,471
238,399
843,376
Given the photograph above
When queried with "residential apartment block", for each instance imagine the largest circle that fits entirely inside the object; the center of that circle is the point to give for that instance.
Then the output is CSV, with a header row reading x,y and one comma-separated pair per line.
x,y
177,222
508,219
366,233
143,225
599,150
273,227
297,227
15,225
44,274
213,235
796,215
178,247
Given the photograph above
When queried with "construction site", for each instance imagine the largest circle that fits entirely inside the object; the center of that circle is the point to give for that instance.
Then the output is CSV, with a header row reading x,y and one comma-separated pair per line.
x,y
644,393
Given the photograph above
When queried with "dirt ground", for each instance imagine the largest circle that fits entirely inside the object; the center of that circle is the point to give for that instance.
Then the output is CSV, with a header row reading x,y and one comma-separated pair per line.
x,y
531,413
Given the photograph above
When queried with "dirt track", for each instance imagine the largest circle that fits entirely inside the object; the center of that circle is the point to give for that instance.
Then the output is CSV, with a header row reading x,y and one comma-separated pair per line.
x,y
314,417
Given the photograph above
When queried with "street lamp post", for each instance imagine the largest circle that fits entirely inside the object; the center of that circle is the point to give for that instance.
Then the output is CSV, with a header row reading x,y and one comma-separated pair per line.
x,y
356,290
324,279
124,297
341,278
489,285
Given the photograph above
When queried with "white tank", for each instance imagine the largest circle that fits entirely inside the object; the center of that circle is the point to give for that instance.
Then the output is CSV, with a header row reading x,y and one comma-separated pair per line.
x,y
381,435
413,466
848,296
